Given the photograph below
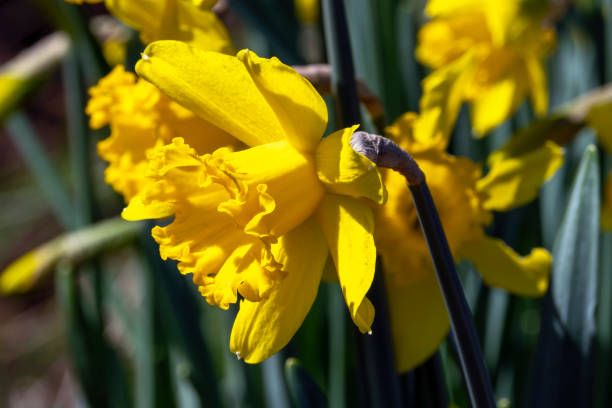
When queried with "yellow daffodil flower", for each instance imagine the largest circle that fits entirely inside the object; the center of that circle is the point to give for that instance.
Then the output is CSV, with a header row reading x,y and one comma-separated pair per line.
x,y
259,223
191,21
485,52
464,199
141,118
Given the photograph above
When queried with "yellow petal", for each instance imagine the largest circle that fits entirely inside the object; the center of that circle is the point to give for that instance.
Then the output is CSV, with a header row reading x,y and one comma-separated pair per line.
x,y
600,119
142,118
517,180
225,259
298,106
501,267
174,20
200,27
204,4
419,320
273,188
443,94
494,104
348,225
263,328
346,172
177,170
436,8
216,87
142,15
499,87
606,205
444,40
537,84
141,208
21,275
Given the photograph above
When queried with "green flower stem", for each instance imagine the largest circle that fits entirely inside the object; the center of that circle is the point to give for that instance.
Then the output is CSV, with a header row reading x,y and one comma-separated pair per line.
x,y
385,153
375,352
341,60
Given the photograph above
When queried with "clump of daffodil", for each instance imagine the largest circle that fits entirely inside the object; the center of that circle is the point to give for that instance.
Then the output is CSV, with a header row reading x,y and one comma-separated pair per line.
x,y
191,21
465,201
259,223
141,118
485,52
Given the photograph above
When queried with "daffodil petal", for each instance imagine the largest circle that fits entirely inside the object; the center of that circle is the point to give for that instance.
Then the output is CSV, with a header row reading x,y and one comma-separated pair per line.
x,y
141,209
348,225
203,4
231,100
600,119
443,40
537,84
181,20
143,15
298,106
346,172
516,180
419,320
443,93
21,275
184,21
606,205
494,104
500,266
263,328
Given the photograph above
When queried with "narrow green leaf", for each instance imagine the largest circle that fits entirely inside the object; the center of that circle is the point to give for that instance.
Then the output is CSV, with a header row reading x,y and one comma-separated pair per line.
x,y
79,140
87,348
181,320
564,370
28,143
304,391
276,21
275,390
496,313
426,385
604,314
152,368
337,347
70,18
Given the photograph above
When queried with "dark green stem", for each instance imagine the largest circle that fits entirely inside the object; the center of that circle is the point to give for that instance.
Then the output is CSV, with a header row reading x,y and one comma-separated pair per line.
x,y
468,347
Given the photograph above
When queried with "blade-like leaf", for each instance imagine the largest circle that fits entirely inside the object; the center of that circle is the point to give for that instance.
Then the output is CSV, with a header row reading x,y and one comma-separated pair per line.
x,y
304,391
564,370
